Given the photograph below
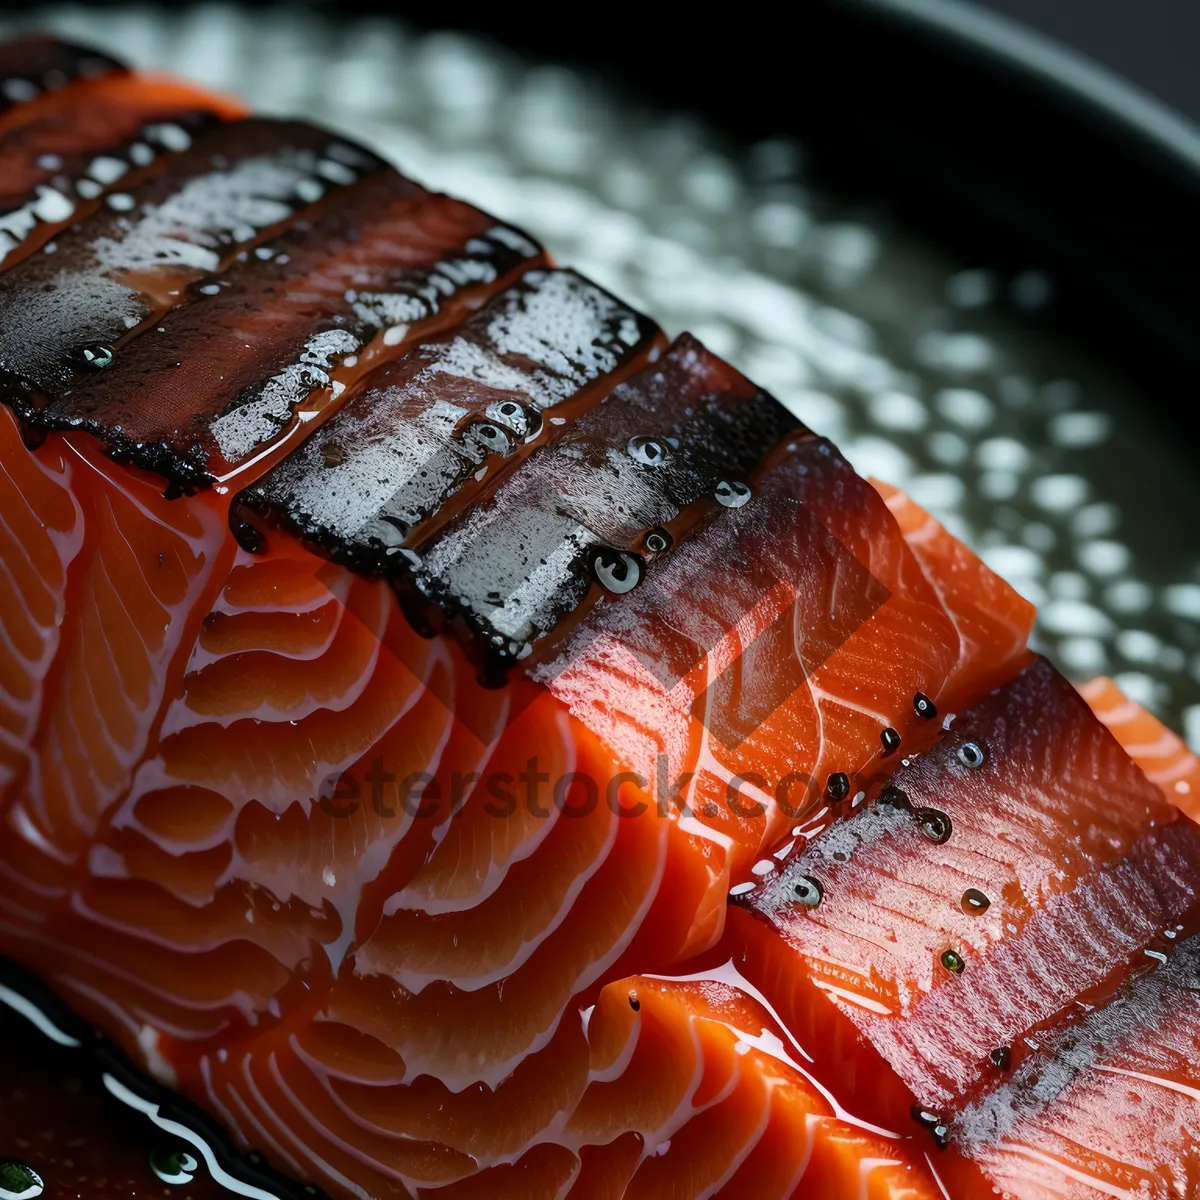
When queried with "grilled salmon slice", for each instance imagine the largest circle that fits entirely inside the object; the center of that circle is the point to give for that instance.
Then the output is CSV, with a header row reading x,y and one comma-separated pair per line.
x,y
398,832
32,66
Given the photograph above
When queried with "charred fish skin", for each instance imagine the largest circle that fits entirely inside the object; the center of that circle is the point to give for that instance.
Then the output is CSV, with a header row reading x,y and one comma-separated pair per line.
x,y
596,498
426,430
224,374
66,316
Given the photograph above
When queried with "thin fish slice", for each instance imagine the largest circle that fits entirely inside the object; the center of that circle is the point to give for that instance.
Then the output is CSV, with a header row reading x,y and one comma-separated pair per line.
x,y
596,499
1020,864
68,151
425,430
225,374
62,315
1163,755
1105,1105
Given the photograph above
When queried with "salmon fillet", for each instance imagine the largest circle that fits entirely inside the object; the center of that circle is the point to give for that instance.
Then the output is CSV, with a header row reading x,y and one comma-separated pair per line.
x,y
469,744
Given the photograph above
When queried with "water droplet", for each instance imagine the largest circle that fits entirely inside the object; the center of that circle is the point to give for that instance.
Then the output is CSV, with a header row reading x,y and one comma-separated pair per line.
x,y
808,891
617,571
649,451
924,706
97,356
19,1182
972,755
332,455
974,902
893,795
1000,1057
891,741
938,1125
176,1167
489,438
732,493
516,417
658,540
953,962
634,1002
935,825
837,786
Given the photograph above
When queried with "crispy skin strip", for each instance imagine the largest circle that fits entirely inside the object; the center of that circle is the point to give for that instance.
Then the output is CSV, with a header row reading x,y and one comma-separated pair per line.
x,y
70,149
64,316
223,375
513,566
419,438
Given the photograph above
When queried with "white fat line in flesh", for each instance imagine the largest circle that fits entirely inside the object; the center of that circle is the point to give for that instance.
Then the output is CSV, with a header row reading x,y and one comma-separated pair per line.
x,y
1088,1180
411,897
322,1072
322,1077
620,1064
1123,712
1157,1080
1167,745
151,1110
418,981
811,1123
14,741
747,1147
936,1177
866,1167
267,1113
6,574
215,1105
494,1072
728,974
237,999
346,1147
36,1017
821,696
255,1133
855,998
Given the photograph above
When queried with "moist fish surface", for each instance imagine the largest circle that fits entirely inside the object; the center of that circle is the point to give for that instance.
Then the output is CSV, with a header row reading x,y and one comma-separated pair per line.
x,y
470,744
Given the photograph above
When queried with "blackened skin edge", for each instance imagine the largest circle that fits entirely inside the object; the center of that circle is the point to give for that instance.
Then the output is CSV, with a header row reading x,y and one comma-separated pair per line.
x,y
41,63
662,440
228,370
35,370
538,345
135,136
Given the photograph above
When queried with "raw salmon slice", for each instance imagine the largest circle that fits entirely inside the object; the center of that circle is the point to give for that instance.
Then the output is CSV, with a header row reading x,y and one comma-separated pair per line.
x,y
1163,755
1020,873
399,835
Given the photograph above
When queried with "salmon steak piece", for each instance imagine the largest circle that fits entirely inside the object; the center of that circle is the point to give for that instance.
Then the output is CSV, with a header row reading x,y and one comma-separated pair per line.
x,y
457,741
